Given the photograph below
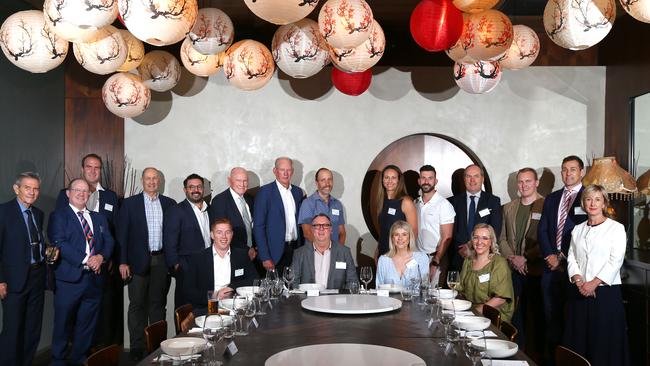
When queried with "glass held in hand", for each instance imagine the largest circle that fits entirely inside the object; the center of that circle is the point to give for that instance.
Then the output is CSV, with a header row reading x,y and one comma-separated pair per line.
x,y
366,276
50,254
452,279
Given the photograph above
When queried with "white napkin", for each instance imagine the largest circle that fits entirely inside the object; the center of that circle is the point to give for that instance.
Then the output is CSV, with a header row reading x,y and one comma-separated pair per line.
x,y
329,291
166,357
488,333
504,363
296,291
195,330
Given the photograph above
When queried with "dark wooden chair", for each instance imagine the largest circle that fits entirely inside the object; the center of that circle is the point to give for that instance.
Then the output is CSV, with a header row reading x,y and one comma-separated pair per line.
x,y
154,334
492,314
509,330
180,314
109,356
567,357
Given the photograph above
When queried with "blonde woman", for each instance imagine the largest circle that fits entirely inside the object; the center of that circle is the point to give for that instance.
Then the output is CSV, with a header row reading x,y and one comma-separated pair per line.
x,y
403,261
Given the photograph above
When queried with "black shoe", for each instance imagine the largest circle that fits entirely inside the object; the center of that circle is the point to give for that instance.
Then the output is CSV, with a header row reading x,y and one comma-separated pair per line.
x,y
136,354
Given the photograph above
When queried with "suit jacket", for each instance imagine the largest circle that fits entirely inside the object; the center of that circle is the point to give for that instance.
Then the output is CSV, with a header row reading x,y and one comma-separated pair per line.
x,y
224,207
133,233
305,272
530,248
268,216
108,205
15,251
182,235
66,233
199,277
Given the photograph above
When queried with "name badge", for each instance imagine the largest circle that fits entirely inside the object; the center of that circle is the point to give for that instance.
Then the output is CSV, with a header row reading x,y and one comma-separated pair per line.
x,y
484,278
312,292
579,211
484,212
335,212
412,263
382,293
341,265
108,207
536,216
392,211
239,272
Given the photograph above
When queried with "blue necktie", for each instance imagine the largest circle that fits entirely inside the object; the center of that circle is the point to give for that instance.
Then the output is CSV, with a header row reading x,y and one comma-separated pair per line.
x,y
471,215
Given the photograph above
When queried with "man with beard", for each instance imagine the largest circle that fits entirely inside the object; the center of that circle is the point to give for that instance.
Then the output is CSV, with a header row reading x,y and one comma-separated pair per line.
x,y
321,202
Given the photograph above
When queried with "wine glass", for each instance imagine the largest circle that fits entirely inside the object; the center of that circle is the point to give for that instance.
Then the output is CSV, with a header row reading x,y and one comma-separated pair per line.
x,y
239,305
474,346
424,287
271,274
446,318
212,332
259,289
288,275
366,276
452,279
276,288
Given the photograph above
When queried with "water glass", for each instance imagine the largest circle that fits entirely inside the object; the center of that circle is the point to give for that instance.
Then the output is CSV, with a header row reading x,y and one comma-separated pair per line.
x,y
260,288
213,333
474,346
366,276
407,293
353,286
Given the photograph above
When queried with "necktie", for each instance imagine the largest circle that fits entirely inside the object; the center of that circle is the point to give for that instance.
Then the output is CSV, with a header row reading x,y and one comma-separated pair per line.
x,y
87,232
33,237
562,219
247,222
92,201
471,215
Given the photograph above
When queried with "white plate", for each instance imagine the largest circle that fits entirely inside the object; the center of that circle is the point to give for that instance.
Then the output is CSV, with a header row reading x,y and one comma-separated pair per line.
x,y
351,304
183,346
391,287
227,319
344,354
444,293
247,290
230,303
455,304
310,286
472,322
497,348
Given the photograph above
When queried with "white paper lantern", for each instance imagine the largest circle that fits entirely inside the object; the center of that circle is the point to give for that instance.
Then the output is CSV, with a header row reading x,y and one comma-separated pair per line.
x,y
125,95
52,13
134,51
212,33
474,6
299,50
345,23
29,44
362,57
159,70
87,13
638,9
104,53
458,52
491,33
578,24
523,51
248,65
479,77
196,63
281,12
158,22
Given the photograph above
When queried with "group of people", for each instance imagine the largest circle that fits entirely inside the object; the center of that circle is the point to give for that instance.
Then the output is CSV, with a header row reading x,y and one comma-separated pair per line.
x,y
531,254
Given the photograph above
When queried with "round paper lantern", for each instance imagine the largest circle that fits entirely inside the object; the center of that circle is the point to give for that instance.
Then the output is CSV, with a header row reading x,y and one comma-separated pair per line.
x,y
29,44
159,70
354,83
85,14
638,9
134,51
475,6
577,25
436,25
345,23
104,53
196,63
125,95
212,33
299,50
248,65
458,52
523,51
158,22
491,33
479,77
364,56
52,13
281,12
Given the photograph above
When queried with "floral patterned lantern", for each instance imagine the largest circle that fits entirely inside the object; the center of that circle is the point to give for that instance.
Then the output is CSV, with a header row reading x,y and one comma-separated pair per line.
x,y
638,9
578,24
29,44
458,52
299,50
345,23
475,6
52,13
159,70
196,63
523,51
125,95
158,22
212,33
353,83
248,65
479,77
362,57
134,51
491,33
281,12
104,53
436,24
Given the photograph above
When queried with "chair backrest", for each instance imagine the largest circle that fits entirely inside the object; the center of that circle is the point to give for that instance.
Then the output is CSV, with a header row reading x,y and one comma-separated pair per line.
x,y
179,315
492,314
567,357
509,330
154,334
109,356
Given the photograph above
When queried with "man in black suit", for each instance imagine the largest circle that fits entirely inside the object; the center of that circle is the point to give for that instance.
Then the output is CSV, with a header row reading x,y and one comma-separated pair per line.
x,y
139,232
472,207
186,231
220,268
22,272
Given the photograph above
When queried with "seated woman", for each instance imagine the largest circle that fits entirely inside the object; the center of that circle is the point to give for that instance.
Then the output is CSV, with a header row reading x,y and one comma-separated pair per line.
x,y
485,277
402,262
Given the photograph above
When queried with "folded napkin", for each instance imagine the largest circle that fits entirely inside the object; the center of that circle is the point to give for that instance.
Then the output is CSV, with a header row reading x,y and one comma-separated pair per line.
x,y
504,363
166,357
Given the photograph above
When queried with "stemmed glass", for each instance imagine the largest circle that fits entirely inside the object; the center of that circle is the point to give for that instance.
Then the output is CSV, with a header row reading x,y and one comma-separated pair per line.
x,y
424,287
365,276
447,317
452,279
240,304
260,288
474,346
213,333
288,275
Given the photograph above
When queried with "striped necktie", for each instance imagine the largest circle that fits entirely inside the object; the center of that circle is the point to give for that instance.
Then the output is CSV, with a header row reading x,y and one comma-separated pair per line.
x,y
87,232
568,201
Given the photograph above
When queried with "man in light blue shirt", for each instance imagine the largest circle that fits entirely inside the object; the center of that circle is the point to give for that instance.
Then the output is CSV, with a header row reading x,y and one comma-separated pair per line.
x,y
321,202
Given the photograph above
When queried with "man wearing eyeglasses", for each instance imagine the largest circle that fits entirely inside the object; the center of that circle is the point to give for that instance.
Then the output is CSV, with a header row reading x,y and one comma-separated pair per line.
x,y
324,262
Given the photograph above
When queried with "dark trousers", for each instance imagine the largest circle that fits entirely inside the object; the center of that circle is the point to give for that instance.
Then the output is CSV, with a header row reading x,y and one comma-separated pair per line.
x,y
110,326
22,315
554,287
287,256
179,299
526,318
147,299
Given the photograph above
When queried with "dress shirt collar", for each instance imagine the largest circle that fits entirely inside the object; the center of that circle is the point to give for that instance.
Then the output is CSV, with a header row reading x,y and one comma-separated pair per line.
x,y
149,198
216,254
23,208
281,187
235,195
329,247
203,207
98,187
574,189
477,195
435,195
84,211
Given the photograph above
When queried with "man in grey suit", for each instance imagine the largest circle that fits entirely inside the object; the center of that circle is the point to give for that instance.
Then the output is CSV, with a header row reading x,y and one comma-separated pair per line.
x,y
324,262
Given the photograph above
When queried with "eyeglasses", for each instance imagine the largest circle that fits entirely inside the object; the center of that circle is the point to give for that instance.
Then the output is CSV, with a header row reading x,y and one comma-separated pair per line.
x,y
322,226
77,190
194,187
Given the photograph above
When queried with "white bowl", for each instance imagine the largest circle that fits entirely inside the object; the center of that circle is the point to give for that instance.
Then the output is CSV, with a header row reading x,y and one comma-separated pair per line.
x,y
455,304
213,321
183,346
497,348
247,290
447,294
310,286
472,322
230,303
391,287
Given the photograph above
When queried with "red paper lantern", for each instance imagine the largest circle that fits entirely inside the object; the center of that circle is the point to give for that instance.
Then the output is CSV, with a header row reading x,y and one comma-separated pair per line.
x,y
353,83
436,25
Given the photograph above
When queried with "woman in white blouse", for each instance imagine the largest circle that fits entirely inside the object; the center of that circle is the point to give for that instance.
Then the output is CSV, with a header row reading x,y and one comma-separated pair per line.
x,y
402,262
596,326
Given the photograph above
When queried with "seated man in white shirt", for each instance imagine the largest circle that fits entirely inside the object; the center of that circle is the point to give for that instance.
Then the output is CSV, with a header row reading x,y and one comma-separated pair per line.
x,y
324,262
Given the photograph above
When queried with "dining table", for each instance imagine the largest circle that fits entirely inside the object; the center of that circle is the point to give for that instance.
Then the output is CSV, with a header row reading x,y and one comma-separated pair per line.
x,y
288,325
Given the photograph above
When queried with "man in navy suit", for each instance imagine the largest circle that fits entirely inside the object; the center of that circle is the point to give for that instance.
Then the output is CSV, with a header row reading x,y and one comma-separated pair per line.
x,y
474,206
22,272
276,217
86,244
186,231
221,268
139,234
560,214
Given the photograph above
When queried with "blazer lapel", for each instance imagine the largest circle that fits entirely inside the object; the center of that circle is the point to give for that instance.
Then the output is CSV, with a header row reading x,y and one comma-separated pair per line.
x,y
139,208
209,259
462,204
234,208
189,210
278,197
333,255
311,262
